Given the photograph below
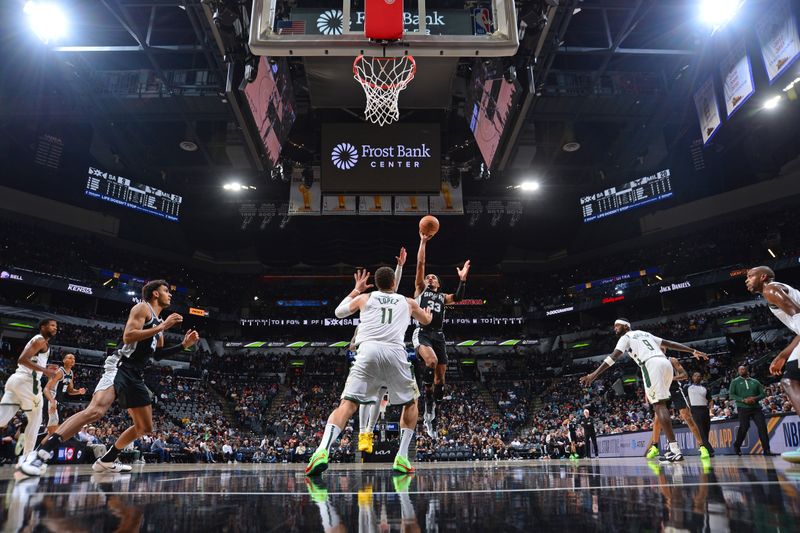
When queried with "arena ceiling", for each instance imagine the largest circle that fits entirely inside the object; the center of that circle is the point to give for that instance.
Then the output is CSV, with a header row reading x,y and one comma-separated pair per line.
x,y
137,77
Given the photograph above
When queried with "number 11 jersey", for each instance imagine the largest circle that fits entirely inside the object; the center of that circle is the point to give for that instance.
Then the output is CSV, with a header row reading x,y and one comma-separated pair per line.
x,y
384,319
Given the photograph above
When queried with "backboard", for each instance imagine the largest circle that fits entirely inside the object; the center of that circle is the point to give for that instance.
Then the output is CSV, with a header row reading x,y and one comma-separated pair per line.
x,y
441,28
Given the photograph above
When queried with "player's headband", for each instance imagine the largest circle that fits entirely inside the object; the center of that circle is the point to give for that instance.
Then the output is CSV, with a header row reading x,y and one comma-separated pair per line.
x,y
620,322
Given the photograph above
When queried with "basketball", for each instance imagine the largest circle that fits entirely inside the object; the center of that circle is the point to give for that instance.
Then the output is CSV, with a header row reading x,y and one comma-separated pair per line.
x,y
429,225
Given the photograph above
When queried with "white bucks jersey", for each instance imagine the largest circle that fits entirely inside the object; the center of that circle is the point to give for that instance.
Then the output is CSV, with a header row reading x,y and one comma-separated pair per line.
x,y
794,295
384,319
39,358
640,346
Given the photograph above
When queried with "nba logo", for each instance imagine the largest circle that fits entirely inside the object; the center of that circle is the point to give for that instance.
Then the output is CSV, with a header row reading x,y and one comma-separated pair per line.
x,y
70,453
483,21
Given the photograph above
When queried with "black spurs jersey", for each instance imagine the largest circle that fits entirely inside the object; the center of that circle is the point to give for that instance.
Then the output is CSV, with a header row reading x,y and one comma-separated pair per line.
x,y
62,387
433,300
137,354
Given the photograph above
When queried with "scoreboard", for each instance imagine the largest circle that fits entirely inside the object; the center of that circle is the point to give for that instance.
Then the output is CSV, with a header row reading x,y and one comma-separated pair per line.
x,y
122,191
633,194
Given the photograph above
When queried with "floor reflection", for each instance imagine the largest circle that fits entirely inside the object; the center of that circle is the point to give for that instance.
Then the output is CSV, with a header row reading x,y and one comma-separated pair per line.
x,y
728,494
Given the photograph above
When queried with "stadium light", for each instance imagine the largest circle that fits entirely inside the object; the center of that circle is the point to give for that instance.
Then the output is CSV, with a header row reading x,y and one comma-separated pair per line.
x,y
773,102
717,13
529,186
771,252
47,20
235,186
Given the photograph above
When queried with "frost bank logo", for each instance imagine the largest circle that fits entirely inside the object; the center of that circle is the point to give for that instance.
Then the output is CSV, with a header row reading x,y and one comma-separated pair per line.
x,y
330,22
344,156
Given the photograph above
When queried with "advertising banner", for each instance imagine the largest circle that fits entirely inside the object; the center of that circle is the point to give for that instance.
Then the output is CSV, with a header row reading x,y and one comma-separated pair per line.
x,y
737,78
778,38
450,201
338,205
784,435
369,159
411,205
705,101
375,205
304,200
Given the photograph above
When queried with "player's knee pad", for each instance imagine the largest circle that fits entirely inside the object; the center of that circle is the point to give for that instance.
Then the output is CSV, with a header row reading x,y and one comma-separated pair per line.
x,y
427,376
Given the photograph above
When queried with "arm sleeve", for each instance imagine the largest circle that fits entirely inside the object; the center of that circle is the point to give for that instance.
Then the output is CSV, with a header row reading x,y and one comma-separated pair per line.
x,y
398,273
462,288
343,311
161,353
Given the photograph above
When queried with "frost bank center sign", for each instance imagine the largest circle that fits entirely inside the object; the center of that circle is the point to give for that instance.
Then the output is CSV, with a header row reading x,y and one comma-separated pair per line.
x,y
355,156
329,21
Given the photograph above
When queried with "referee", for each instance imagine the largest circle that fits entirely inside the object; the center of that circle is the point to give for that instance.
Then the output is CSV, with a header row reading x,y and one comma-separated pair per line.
x,y
701,404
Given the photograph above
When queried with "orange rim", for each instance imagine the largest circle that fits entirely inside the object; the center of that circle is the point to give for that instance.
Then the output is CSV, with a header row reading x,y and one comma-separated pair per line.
x,y
387,86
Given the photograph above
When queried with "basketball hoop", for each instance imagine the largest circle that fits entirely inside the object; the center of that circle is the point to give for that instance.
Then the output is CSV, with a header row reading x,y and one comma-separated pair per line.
x,y
382,79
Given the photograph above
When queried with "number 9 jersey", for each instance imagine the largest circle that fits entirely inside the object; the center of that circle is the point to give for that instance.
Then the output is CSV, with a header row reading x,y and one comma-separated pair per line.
x,y
640,346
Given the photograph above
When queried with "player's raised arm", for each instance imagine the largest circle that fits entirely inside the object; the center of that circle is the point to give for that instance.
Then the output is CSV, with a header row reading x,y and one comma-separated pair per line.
x,y
462,284
398,271
355,300
678,347
419,279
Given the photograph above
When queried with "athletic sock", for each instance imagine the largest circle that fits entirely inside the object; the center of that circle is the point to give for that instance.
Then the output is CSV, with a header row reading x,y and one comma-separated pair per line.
x,y
438,391
329,437
406,435
428,398
52,444
374,411
674,448
363,418
111,455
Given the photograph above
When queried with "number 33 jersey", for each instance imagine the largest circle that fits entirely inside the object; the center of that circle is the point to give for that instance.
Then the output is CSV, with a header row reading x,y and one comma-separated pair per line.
x,y
433,300
384,319
640,345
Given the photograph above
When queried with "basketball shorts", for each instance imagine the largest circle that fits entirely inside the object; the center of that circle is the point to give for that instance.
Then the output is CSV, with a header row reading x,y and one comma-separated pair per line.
x,y
434,339
131,389
109,373
791,370
657,375
678,397
380,365
24,391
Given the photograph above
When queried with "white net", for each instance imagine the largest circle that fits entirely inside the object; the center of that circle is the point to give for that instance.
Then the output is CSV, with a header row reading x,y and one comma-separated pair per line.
x,y
382,79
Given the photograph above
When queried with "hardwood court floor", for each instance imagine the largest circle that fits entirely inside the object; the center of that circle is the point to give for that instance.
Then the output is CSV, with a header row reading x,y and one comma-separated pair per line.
x,y
727,493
